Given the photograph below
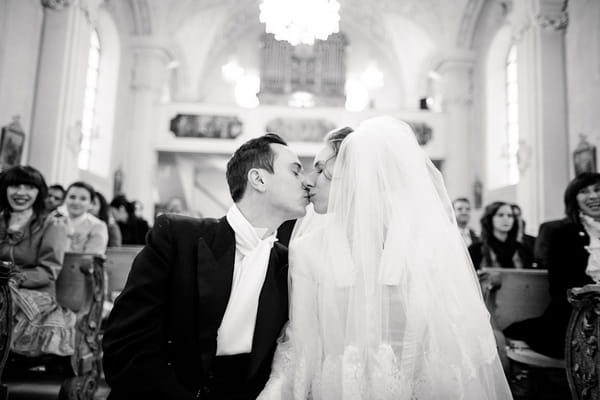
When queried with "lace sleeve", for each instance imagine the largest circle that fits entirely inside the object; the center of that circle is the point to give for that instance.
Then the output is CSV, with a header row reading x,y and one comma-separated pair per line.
x,y
279,384
294,362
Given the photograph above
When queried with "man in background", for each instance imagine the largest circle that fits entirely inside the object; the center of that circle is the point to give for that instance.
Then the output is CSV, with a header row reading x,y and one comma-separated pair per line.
x,y
55,198
462,211
133,229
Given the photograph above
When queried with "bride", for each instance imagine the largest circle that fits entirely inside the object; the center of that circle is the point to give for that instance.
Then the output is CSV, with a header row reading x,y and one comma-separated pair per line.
x,y
385,303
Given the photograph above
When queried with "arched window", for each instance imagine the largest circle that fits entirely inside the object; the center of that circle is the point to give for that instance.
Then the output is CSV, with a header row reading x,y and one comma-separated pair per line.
x,y
90,98
97,120
502,112
512,115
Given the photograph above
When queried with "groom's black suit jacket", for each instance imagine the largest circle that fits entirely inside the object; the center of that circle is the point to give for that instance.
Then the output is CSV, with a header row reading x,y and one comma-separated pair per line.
x,y
160,339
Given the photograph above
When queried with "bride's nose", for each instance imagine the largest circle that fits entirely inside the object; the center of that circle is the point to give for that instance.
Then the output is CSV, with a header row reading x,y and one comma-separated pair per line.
x,y
308,181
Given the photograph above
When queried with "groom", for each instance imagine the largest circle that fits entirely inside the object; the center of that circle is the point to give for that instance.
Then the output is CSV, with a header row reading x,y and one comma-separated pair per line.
x,y
207,298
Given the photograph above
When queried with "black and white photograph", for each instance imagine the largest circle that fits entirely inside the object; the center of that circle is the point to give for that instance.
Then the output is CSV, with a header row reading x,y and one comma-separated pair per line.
x,y
299,199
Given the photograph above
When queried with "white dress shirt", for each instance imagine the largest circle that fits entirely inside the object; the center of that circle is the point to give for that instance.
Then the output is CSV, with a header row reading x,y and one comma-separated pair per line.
x,y
252,253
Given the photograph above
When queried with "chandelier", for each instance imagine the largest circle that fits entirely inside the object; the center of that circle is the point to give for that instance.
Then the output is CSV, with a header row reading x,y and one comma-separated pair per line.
x,y
300,21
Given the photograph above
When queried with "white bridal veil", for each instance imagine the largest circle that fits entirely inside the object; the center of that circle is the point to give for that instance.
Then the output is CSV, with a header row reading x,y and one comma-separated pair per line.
x,y
393,309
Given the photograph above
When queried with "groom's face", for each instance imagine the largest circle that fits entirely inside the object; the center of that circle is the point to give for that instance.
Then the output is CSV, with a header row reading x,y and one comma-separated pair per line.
x,y
286,192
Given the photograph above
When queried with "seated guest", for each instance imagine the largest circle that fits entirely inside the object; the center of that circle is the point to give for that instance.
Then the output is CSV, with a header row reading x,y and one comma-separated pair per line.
x,y
138,208
138,212
36,245
499,247
101,211
175,206
527,240
462,211
567,245
542,242
55,198
87,233
133,229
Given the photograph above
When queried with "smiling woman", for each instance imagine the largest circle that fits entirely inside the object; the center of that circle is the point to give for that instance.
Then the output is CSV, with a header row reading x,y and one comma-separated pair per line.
x,y
588,200
35,244
87,233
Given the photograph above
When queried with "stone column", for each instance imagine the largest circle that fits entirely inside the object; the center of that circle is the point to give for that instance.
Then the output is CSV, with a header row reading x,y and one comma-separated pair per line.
x,y
149,75
457,102
61,75
539,33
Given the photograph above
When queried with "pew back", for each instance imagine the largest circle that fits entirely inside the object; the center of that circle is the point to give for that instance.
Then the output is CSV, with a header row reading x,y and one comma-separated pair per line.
x,y
118,265
74,287
513,295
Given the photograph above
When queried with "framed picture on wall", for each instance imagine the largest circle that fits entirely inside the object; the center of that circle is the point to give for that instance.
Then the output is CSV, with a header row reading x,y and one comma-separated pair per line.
x,y
12,141
206,126
584,156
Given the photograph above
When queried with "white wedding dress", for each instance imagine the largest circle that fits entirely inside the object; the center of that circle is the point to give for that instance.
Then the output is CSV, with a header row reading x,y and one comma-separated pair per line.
x,y
385,304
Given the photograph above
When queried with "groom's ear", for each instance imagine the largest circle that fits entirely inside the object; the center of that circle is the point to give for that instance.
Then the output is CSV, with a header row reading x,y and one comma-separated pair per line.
x,y
256,180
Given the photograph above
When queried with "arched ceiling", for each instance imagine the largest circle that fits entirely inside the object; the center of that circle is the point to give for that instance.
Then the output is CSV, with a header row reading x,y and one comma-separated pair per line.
x,y
446,21
396,29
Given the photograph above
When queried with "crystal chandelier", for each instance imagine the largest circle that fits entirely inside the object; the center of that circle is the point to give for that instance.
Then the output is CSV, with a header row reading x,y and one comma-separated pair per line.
x,y
300,21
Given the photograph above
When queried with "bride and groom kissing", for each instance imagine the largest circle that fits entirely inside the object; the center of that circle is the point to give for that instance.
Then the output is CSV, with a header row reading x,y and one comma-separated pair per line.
x,y
379,301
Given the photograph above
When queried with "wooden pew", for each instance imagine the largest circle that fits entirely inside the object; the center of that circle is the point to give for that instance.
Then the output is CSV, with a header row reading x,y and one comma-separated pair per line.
x,y
582,358
513,295
118,265
5,323
80,288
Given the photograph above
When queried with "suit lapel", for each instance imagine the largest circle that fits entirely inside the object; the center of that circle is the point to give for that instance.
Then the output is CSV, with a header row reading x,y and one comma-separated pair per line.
x,y
272,311
214,277
215,265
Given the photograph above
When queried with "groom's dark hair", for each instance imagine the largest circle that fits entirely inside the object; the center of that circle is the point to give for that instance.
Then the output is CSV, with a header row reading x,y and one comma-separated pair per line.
x,y
255,153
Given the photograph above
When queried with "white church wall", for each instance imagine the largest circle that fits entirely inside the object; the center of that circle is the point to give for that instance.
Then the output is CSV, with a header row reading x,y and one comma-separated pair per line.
x,y
246,50
19,54
121,148
583,73
194,38
58,109
413,47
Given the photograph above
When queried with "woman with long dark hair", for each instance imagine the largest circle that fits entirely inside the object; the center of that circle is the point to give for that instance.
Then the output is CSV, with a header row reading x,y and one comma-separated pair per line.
x,y
36,245
101,210
499,247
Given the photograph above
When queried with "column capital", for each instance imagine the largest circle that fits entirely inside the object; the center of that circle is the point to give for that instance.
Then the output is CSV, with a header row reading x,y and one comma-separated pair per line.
x,y
550,14
57,4
89,8
554,22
